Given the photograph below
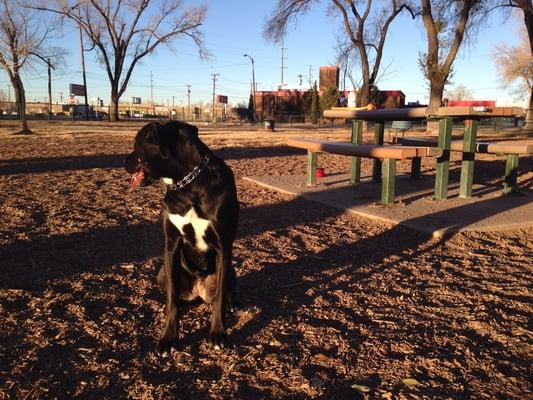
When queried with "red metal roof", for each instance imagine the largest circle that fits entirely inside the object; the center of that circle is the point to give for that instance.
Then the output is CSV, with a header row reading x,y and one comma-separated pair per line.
x,y
471,103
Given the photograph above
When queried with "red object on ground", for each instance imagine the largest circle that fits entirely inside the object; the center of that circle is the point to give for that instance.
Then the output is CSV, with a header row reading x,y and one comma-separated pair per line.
x,y
320,173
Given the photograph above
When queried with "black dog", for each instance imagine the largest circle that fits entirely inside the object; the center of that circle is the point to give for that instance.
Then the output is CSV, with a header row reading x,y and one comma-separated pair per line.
x,y
200,215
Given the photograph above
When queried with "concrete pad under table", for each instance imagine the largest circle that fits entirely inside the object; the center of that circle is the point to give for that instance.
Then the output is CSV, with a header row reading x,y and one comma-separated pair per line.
x,y
415,206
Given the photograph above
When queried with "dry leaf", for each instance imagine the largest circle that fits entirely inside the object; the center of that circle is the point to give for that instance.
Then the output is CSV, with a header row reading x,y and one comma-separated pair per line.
x,y
361,388
411,382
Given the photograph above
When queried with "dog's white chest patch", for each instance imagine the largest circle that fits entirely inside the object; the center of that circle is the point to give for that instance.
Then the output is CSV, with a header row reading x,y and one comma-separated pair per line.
x,y
199,225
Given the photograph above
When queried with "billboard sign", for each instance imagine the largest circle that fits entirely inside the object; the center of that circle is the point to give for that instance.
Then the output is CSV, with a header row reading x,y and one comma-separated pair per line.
x,y
136,100
222,99
77,90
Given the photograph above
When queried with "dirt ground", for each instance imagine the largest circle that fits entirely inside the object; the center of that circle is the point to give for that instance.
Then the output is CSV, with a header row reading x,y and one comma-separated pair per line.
x,y
334,306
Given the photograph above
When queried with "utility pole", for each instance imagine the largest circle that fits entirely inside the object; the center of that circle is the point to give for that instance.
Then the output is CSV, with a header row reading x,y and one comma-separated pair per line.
x,y
49,89
282,63
214,86
300,78
189,97
61,97
84,75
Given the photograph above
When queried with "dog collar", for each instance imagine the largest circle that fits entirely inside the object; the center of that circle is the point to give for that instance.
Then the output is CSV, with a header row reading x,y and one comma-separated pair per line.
x,y
191,176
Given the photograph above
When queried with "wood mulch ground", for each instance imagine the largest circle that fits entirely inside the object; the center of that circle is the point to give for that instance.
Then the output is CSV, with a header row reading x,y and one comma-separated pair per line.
x,y
335,306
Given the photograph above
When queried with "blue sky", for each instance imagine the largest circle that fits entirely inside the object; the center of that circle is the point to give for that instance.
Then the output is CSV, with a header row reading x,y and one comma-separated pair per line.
x,y
234,27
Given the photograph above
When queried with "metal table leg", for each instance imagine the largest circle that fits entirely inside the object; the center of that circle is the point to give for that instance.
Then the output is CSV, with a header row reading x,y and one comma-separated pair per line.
x,y
467,165
443,162
357,138
378,140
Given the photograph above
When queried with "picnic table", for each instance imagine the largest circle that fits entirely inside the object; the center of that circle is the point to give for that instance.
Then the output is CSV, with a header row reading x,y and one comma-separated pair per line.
x,y
444,116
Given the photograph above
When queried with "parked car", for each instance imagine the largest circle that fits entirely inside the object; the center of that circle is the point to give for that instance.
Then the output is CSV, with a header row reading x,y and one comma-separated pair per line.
x,y
99,115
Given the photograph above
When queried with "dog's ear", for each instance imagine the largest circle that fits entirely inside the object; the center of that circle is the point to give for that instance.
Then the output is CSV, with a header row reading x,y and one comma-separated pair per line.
x,y
155,138
190,132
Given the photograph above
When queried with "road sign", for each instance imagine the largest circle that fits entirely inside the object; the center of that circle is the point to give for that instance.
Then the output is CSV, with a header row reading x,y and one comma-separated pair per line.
x,y
222,99
77,90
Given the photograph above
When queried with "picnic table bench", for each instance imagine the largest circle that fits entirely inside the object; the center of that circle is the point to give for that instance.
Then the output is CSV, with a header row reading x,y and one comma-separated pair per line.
x,y
512,151
445,116
389,155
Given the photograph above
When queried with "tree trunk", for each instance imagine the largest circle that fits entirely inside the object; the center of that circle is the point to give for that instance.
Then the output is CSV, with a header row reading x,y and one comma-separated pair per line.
x,y
527,8
365,94
20,100
436,91
529,113
113,109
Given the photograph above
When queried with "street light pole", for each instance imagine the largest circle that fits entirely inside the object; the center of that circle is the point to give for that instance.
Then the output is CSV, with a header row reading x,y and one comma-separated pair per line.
x,y
253,87
50,67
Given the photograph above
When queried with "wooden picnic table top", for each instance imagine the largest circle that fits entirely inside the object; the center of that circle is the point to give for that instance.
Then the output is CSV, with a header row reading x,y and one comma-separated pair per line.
x,y
415,113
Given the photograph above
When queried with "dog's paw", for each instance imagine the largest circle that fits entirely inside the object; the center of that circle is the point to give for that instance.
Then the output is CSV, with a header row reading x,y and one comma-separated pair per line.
x,y
218,339
165,346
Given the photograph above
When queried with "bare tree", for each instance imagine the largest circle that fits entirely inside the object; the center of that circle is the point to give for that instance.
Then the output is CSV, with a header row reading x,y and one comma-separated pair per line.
x,y
515,68
447,23
365,23
22,37
125,31
526,6
346,61
459,92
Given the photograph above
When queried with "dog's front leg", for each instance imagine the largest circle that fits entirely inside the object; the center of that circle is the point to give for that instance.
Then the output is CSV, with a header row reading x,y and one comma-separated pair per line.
x,y
173,244
223,264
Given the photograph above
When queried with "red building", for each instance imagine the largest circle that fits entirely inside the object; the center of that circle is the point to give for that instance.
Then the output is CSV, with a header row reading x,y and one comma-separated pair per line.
x,y
391,99
469,103
278,102
329,77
